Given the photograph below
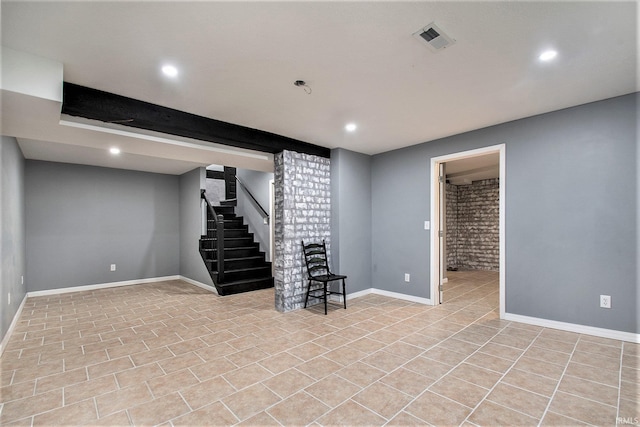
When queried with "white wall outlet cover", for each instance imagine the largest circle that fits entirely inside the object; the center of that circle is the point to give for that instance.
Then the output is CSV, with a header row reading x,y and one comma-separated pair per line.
x,y
113,267
407,277
427,225
605,301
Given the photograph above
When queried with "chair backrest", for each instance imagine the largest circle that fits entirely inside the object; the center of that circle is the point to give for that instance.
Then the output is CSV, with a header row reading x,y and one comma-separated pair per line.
x,y
315,256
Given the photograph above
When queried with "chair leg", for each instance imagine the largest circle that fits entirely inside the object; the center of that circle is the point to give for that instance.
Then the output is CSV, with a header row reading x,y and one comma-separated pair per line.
x,y
325,298
344,294
306,300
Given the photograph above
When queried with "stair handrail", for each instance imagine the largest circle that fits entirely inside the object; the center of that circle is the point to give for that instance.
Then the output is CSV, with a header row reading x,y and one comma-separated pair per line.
x,y
265,214
219,221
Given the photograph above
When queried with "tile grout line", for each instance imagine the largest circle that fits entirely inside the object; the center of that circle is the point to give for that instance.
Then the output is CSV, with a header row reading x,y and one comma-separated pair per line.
x,y
453,368
620,384
587,398
504,375
555,391
95,405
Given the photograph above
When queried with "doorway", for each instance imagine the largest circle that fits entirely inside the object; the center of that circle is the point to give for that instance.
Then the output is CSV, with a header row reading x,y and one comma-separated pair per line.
x,y
439,172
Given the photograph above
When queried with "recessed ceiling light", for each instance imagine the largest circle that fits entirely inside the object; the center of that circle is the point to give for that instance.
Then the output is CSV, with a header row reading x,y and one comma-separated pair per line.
x,y
114,150
548,55
169,70
350,127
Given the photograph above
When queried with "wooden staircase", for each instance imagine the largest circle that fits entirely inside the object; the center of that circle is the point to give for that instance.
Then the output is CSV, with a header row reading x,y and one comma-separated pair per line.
x,y
244,266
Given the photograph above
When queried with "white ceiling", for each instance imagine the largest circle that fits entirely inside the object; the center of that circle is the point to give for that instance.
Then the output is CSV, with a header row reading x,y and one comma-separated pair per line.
x,y
465,171
238,61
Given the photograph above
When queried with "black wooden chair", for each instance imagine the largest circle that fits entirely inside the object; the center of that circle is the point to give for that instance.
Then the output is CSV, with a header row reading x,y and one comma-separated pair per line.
x,y
315,256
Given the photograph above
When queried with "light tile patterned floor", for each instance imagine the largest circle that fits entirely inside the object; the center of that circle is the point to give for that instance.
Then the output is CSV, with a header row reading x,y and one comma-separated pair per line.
x,y
171,353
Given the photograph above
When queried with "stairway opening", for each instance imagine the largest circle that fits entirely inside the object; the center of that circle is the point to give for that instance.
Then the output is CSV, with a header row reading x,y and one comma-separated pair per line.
x,y
236,243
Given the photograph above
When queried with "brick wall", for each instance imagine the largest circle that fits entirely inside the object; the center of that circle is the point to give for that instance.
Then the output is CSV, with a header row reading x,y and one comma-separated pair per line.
x,y
452,224
473,225
302,212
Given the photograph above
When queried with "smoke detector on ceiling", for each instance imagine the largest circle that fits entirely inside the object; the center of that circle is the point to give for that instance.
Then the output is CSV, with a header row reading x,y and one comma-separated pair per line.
x,y
434,37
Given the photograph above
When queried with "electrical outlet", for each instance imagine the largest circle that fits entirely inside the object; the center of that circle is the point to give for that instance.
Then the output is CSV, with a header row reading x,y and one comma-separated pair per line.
x,y
407,277
605,301
22,280
8,298
113,267
427,225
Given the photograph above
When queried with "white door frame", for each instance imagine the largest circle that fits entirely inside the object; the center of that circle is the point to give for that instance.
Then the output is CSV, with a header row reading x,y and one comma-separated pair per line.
x,y
435,217
442,228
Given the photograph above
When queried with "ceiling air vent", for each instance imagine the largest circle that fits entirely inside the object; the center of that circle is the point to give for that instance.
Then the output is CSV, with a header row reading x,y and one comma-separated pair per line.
x,y
434,37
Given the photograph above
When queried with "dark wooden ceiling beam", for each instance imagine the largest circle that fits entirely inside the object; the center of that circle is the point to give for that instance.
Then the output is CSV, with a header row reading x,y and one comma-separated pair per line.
x,y
81,101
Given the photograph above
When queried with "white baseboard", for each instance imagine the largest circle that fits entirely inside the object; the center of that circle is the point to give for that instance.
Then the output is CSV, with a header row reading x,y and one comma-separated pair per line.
x,y
14,322
199,284
572,327
100,286
396,295
358,294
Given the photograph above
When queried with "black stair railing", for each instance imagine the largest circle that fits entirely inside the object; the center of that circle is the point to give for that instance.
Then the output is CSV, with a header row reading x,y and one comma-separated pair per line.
x,y
256,203
219,224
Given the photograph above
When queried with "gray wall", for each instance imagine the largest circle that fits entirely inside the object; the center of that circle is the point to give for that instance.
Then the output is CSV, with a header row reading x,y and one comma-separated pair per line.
x,y
399,206
191,264
215,191
258,183
81,219
12,247
571,213
351,217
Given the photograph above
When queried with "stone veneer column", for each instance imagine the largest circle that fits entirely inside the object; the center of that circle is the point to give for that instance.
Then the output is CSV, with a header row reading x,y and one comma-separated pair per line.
x,y
303,212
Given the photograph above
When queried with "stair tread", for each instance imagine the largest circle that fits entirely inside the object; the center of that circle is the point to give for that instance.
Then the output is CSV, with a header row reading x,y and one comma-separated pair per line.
x,y
214,238
228,238
248,268
239,287
246,235
231,249
261,258
267,264
243,281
